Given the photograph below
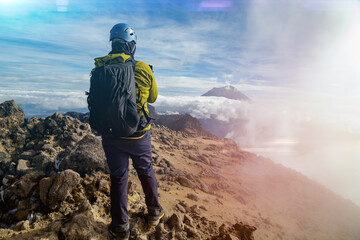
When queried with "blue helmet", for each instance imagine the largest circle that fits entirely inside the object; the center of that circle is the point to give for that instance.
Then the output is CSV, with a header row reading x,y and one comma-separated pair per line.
x,y
123,31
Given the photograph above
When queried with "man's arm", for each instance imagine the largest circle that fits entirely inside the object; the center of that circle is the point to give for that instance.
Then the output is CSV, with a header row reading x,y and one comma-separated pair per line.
x,y
153,92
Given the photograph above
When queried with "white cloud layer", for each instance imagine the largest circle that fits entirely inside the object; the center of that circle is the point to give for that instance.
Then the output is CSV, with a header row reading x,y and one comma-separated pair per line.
x,y
46,99
203,107
292,133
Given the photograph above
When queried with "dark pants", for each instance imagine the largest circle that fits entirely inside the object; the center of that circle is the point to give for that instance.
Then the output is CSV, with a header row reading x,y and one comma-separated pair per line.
x,y
117,154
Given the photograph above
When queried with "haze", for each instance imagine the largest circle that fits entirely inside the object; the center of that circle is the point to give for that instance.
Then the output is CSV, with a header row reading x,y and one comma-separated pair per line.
x,y
297,60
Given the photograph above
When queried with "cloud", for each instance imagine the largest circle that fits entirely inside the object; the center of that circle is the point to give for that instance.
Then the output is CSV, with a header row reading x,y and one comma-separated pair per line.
x,y
52,80
46,99
65,44
300,48
307,136
182,44
203,107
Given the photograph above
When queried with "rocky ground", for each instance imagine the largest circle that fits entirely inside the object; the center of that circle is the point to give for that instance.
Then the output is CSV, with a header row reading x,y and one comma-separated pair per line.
x,y
55,186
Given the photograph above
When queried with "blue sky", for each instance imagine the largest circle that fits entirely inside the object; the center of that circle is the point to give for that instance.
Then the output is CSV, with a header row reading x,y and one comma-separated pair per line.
x,y
48,46
298,60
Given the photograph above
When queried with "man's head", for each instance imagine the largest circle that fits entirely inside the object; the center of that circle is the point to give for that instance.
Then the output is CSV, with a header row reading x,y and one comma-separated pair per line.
x,y
123,39
123,31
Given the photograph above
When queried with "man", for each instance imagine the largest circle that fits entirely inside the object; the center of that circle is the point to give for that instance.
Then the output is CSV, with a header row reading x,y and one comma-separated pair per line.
x,y
138,145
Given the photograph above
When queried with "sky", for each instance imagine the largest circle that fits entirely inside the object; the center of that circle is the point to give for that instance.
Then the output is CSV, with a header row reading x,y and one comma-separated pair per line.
x,y
298,60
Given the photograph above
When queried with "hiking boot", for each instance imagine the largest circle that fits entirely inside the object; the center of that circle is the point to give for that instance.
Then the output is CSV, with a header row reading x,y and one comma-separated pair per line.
x,y
120,232
155,215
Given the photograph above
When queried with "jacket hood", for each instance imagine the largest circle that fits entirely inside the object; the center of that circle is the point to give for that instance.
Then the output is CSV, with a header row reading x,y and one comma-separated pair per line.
x,y
110,59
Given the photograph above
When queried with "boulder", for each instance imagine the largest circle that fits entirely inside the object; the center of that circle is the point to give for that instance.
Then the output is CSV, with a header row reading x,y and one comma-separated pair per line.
x,y
180,208
195,209
185,182
23,187
11,134
23,166
88,156
192,196
188,220
10,108
44,187
62,185
84,226
175,222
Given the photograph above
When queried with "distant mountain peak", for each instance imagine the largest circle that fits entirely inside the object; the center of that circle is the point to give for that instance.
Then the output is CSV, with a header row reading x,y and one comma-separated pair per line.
x,y
228,92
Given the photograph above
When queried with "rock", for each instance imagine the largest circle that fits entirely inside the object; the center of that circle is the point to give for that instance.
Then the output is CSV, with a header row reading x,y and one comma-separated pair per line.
x,y
84,226
191,232
181,235
203,186
10,108
47,146
160,171
131,187
185,205
27,155
5,158
62,185
160,231
222,229
56,226
22,214
84,206
23,225
88,156
23,187
11,134
43,162
180,208
83,117
230,237
44,187
236,232
245,230
137,228
156,158
23,204
195,209
192,196
188,220
104,186
203,208
176,222
185,182
204,159
23,166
